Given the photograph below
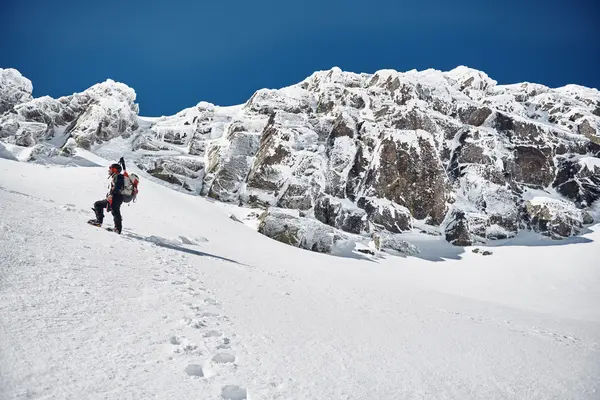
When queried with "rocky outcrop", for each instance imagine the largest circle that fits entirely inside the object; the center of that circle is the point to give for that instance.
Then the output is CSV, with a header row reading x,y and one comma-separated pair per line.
x,y
457,229
555,218
101,113
305,233
183,172
386,215
340,214
388,241
410,173
361,153
578,179
14,89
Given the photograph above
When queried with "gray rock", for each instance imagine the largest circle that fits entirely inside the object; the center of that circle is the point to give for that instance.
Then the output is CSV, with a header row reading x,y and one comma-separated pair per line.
x,y
390,241
340,214
577,180
386,214
410,173
457,229
302,232
557,219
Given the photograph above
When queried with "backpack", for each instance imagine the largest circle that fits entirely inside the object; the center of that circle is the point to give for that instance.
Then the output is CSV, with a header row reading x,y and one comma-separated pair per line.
x,y
130,187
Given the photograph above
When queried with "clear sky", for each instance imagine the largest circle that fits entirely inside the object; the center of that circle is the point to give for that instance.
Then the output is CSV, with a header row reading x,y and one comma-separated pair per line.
x,y
176,53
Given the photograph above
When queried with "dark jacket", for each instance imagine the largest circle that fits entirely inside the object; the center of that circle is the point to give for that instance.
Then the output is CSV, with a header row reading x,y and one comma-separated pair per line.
x,y
116,184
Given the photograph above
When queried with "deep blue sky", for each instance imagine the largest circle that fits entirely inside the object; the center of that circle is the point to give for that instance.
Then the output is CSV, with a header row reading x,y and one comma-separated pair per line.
x,y
175,53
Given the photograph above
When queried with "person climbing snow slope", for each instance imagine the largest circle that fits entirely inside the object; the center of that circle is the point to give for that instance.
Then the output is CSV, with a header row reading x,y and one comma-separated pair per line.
x,y
114,199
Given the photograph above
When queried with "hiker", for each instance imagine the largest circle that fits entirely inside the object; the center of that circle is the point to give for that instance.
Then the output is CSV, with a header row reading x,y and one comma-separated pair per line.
x,y
123,189
113,200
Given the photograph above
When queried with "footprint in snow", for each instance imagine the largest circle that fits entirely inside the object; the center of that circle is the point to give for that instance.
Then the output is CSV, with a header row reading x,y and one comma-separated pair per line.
x,y
194,370
223,358
194,323
233,392
183,345
211,301
210,334
209,315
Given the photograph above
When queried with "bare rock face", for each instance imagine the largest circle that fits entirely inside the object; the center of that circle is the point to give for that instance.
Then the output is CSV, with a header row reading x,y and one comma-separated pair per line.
x,y
340,214
578,179
361,153
386,214
457,229
410,173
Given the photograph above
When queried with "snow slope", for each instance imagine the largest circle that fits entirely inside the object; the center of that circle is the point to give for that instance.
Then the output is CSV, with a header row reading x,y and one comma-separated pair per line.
x,y
187,291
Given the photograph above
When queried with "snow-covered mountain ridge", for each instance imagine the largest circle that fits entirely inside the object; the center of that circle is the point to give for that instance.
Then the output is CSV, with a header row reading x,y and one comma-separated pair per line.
x,y
355,155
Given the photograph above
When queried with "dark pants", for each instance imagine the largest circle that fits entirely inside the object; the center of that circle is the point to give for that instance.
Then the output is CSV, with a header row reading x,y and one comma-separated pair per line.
x,y
100,205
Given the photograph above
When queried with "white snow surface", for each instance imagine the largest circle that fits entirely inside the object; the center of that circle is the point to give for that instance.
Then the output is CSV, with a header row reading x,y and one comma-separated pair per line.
x,y
188,303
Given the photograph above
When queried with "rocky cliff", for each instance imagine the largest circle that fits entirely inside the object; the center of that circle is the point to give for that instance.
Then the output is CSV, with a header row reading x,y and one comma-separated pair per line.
x,y
364,154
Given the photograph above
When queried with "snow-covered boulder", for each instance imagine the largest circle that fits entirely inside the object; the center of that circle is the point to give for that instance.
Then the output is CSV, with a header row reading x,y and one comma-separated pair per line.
x,y
389,241
14,89
305,233
6,154
555,218
42,151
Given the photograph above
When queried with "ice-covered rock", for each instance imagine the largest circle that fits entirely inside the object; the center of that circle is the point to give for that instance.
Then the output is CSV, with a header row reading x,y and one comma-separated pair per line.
x,y
408,171
14,89
301,232
389,241
452,150
183,172
555,218
102,112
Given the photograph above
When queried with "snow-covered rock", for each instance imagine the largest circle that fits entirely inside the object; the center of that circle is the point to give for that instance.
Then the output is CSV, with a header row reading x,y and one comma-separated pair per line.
x,y
340,214
102,112
301,232
362,153
458,230
578,179
386,214
555,218
14,89
390,241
